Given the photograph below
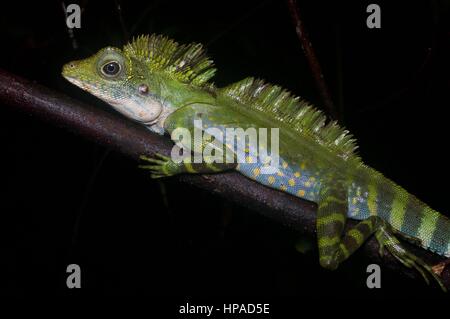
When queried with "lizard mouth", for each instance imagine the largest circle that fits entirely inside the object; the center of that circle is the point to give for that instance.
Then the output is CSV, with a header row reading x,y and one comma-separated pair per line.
x,y
69,72
85,86
89,87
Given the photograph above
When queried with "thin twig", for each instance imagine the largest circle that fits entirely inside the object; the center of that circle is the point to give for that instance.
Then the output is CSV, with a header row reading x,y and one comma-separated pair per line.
x,y
133,140
312,59
122,21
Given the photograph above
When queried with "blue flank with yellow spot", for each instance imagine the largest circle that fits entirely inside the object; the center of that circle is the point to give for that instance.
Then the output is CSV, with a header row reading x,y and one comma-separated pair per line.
x,y
293,179
360,206
288,178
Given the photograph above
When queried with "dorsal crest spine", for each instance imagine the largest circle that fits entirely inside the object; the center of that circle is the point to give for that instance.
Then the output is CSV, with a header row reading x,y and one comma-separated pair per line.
x,y
296,112
187,63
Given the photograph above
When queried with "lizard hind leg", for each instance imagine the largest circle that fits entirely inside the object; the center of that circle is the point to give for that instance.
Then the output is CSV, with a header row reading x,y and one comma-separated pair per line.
x,y
336,244
386,239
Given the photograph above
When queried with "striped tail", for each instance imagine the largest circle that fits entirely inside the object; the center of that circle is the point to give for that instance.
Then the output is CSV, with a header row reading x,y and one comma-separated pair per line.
x,y
416,219
403,211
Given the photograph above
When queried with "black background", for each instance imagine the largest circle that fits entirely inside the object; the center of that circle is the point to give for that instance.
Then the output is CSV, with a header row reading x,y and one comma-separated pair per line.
x,y
390,85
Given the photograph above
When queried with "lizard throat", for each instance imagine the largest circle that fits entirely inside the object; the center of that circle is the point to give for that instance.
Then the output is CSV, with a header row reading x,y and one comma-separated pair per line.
x,y
157,125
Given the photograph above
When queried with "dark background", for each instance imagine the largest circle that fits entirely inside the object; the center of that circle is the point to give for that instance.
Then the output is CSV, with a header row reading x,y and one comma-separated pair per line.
x,y
390,86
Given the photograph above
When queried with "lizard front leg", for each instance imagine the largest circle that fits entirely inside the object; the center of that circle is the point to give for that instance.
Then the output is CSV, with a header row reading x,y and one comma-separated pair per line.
x,y
184,117
164,166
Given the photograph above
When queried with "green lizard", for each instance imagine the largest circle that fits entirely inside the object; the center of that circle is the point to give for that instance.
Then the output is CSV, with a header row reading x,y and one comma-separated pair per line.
x,y
166,86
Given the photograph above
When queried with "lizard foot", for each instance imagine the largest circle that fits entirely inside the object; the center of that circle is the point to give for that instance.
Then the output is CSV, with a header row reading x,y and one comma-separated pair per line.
x,y
392,244
160,165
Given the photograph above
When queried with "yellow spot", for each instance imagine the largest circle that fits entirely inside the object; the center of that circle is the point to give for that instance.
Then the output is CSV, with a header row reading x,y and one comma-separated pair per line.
x,y
284,164
301,193
283,187
297,174
256,172
246,150
307,183
249,159
280,173
354,200
312,179
291,182
303,166
271,179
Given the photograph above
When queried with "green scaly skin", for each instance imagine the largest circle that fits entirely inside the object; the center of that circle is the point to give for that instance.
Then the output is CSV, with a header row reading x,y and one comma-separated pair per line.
x,y
165,86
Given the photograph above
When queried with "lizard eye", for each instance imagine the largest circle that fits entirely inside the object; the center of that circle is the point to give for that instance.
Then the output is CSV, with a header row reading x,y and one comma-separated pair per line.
x,y
111,68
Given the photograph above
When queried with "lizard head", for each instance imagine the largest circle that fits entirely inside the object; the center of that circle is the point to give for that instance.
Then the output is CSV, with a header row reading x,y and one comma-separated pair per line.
x,y
120,81
146,80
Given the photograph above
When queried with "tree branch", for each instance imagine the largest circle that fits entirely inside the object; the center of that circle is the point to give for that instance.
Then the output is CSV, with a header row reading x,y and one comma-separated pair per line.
x,y
133,140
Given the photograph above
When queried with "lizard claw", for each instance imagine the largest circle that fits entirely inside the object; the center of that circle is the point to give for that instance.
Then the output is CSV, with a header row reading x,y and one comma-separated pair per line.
x,y
159,158
159,165
391,243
